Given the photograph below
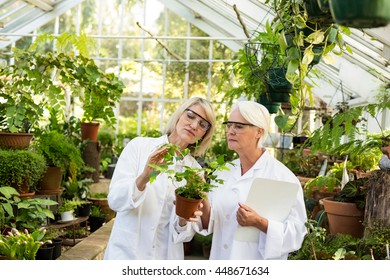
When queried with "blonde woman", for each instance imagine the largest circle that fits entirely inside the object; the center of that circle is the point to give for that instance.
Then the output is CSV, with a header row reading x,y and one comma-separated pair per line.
x,y
146,226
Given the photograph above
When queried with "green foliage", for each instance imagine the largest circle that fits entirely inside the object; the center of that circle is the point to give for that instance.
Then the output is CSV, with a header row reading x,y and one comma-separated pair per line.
x,y
33,213
198,180
354,191
96,211
318,245
59,151
377,237
69,205
8,199
76,189
345,122
98,195
30,213
17,245
306,166
21,168
38,80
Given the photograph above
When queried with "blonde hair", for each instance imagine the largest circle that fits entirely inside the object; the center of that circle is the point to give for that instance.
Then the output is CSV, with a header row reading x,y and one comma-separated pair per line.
x,y
201,147
256,114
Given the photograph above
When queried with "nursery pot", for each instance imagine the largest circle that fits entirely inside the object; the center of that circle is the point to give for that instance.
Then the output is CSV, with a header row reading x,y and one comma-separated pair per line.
x,y
96,222
45,252
360,13
185,207
57,248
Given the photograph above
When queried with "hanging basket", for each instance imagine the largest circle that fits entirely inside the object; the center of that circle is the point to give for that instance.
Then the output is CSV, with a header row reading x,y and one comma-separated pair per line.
x,y
276,82
360,13
272,107
261,57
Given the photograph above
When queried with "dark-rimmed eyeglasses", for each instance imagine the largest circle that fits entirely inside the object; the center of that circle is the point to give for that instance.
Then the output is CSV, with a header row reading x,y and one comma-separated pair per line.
x,y
191,116
238,127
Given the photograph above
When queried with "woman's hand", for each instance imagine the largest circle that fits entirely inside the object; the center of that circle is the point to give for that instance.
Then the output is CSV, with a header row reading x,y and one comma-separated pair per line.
x,y
246,217
157,157
194,218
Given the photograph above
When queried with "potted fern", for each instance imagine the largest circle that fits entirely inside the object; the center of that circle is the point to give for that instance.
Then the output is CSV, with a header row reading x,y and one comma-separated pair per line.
x,y
62,157
198,181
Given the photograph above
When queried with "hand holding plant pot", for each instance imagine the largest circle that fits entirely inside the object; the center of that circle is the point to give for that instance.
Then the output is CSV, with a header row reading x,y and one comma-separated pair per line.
x,y
198,181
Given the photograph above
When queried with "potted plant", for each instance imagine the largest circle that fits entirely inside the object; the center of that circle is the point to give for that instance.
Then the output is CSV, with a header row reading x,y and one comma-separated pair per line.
x,y
21,169
62,158
66,210
197,181
345,211
20,110
28,213
96,218
21,245
77,189
53,236
360,13
100,95
33,213
100,200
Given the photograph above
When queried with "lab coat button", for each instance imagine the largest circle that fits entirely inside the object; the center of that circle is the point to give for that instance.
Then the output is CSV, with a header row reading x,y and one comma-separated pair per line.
x,y
225,246
227,217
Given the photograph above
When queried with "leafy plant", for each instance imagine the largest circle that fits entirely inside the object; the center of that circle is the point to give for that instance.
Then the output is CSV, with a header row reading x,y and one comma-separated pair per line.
x,y
354,191
33,213
8,199
17,245
198,181
30,213
68,205
76,189
21,168
96,211
59,151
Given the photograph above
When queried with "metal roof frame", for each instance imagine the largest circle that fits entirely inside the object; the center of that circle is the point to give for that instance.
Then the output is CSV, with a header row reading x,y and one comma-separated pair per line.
x,y
218,18
371,48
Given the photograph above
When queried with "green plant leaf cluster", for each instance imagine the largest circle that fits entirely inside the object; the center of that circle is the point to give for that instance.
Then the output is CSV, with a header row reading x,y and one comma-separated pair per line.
x,y
29,213
21,168
39,80
59,150
21,245
198,181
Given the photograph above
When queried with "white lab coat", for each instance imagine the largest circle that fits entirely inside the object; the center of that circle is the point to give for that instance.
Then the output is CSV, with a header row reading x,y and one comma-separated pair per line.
x,y
145,225
281,238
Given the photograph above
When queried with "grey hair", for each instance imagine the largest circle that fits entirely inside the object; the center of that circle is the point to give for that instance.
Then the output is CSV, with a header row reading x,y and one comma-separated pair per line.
x,y
202,146
256,114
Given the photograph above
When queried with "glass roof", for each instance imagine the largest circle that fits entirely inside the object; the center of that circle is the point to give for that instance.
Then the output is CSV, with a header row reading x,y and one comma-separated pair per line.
x,y
232,19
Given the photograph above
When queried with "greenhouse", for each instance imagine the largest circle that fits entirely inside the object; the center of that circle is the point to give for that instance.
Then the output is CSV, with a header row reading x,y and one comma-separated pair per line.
x,y
320,68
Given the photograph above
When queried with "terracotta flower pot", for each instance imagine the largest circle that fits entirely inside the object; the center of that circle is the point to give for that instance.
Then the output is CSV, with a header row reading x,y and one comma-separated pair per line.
x,y
89,131
344,217
15,140
185,207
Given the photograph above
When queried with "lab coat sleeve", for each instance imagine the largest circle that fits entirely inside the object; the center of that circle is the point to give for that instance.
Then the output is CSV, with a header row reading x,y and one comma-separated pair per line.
x,y
285,237
123,195
181,233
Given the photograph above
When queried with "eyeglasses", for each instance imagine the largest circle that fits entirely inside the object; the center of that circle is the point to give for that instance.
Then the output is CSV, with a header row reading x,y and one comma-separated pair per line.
x,y
238,127
191,117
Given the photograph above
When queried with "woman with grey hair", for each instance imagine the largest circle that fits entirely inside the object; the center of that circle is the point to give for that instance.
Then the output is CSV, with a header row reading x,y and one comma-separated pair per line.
x,y
146,226
225,211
